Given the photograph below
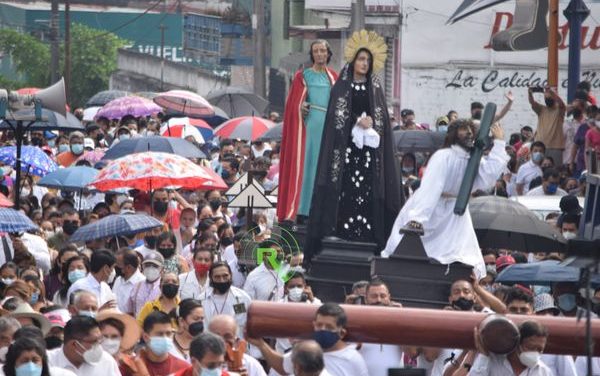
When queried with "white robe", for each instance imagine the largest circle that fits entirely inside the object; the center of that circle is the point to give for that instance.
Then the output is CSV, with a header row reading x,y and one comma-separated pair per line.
x,y
448,237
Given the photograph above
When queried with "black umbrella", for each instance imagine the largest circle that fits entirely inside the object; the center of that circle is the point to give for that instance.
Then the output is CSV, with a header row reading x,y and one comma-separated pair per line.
x,y
170,145
103,97
238,102
273,134
418,141
503,223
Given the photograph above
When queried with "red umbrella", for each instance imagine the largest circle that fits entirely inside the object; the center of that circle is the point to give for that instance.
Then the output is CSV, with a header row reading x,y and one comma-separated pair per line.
x,y
5,202
28,90
247,128
185,103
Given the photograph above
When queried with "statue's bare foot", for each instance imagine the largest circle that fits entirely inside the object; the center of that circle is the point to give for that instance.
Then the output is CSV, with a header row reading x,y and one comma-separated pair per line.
x,y
413,227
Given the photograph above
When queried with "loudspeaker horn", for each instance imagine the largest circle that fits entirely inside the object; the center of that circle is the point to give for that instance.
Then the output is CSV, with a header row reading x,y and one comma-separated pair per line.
x,y
54,97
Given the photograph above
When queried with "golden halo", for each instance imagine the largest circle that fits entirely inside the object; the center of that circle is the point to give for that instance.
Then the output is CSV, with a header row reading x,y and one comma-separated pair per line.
x,y
372,42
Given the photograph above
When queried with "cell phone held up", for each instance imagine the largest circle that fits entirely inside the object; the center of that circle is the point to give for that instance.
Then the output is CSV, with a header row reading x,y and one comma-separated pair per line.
x,y
537,89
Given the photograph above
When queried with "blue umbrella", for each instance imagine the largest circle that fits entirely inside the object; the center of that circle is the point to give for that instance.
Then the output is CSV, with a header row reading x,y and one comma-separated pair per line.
x,y
12,220
33,160
115,225
541,273
69,179
170,145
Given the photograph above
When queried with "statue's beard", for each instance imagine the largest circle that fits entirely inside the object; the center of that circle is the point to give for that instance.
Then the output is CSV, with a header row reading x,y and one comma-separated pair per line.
x,y
466,143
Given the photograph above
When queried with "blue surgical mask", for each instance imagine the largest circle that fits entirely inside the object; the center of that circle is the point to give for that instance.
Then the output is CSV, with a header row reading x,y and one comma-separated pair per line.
x,y
443,128
91,314
225,174
51,143
566,302
326,339
28,369
77,149
407,170
210,371
124,136
35,296
75,275
552,188
537,157
160,345
62,148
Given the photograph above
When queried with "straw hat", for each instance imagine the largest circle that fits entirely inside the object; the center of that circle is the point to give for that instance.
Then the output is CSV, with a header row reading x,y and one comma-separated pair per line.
x,y
133,332
25,310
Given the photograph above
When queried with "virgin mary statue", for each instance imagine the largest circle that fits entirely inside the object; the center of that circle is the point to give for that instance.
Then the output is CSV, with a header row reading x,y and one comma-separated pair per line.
x,y
357,192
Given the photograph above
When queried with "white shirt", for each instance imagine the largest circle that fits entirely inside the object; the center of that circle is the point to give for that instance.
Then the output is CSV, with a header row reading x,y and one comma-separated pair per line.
x,y
189,286
235,300
122,289
89,283
496,365
238,278
107,366
380,358
539,191
252,366
344,362
437,367
569,129
527,172
38,249
581,365
562,365
264,284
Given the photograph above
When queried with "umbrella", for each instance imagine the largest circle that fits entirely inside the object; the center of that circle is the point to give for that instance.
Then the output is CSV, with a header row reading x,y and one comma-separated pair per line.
x,y
273,134
50,120
183,128
124,106
177,146
28,90
152,170
115,225
5,202
247,128
418,141
33,159
12,220
185,103
237,102
468,7
103,97
90,113
503,223
92,156
69,179
538,273
217,119
205,129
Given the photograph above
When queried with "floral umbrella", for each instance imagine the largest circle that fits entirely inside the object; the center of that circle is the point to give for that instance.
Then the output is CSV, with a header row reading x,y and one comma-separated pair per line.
x,y
92,156
131,105
247,128
33,160
154,170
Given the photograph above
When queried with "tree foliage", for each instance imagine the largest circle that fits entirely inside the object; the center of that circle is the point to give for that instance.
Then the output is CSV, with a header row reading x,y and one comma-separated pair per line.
x,y
30,57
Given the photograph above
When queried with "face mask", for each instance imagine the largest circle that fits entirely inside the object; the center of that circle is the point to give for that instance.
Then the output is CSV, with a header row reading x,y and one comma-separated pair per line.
x,y
225,174
443,128
63,148
25,192
569,235
3,351
221,287
407,170
121,199
150,133
477,115
69,227
49,234
51,143
537,157
111,345
170,290
91,314
577,113
53,342
196,328
491,269
124,137
201,268
529,358
112,276
166,252
274,161
7,281
226,241
295,294
566,302
28,369
150,241
35,296
77,149
92,355
160,345
76,275
210,371
463,304
552,188
262,227
151,273
549,102
215,204
160,207
489,288
326,339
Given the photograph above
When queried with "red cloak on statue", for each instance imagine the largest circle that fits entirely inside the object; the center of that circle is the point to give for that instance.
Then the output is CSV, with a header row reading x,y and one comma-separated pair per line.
x,y
291,167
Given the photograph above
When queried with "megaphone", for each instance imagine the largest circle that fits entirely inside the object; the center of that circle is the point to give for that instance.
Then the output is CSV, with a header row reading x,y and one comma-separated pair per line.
x,y
52,98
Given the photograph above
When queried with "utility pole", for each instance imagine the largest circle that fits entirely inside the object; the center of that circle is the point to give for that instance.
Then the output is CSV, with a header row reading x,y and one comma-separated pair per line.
x,y
162,56
553,44
54,42
67,49
358,15
576,13
258,36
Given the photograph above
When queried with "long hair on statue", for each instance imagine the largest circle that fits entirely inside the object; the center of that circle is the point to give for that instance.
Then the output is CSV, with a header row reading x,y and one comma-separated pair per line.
x,y
452,134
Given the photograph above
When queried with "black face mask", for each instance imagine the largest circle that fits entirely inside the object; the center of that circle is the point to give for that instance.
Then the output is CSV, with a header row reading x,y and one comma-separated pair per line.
x,y
260,175
477,115
226,241
577,113
36,141
170,290
100,137
463,304
166,252
150,241
215,204
160,207
221,287
549,102
53,342
196,328
69,227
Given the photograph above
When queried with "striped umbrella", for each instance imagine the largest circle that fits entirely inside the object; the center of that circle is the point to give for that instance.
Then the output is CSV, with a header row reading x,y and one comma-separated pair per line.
x,y
12,220
184,127
132,105
247,128
185,103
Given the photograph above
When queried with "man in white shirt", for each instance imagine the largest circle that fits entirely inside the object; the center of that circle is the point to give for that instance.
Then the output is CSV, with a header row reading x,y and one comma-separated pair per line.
x,y
225,327
102,269
307,358
531,169
128,262
81,352
329,331
550,185
264,282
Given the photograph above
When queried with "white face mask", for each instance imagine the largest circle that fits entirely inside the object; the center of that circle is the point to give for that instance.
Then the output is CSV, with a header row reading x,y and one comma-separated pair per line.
x,y
569,235
3,351
151,273
529,358
92,355
295,294
111,277
121,199
25,192
111,345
